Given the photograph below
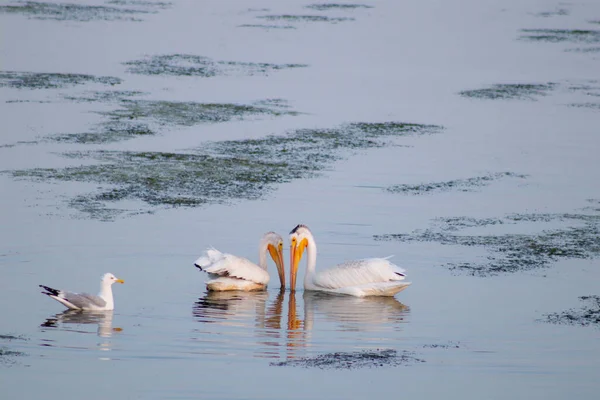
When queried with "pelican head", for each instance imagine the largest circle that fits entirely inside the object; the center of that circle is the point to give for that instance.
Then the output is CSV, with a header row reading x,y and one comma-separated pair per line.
x,y
299,238
109,279
273,243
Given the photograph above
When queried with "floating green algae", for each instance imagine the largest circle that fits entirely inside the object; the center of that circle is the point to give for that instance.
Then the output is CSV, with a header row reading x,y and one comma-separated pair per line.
x,y
514,252
108,96
141,3
218,172
463,185
354,360
304,18
589,88
336,6
590,105
561,35
137,117
266,26
12,337
510,91
73,12
588,315
594,49
41,80
7,355
106,132
193,65
560,12
310,150
449,345
188,113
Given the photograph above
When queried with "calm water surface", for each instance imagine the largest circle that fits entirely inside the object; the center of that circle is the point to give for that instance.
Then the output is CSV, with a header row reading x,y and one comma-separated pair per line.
x,y
462,336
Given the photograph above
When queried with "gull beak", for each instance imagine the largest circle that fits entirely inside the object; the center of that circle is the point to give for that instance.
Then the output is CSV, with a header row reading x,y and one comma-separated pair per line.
x,y
120,281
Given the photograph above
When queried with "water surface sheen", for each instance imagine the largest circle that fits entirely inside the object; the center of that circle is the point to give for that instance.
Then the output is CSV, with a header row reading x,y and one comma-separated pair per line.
x,y
459,138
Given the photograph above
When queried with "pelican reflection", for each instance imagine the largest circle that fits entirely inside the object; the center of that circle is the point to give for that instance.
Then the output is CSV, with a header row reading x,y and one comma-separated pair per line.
x,y
354,313
257,322
231,307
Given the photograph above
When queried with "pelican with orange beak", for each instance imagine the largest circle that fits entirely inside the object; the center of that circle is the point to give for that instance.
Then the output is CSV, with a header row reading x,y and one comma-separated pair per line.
x,y
360,278
229,272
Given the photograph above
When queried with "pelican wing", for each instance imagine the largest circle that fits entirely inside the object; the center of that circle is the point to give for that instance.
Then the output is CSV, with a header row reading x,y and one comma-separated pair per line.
x,y
227,265
359,272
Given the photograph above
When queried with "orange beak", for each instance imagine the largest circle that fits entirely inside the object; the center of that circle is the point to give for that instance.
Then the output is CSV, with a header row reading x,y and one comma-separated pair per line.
x,y
295,257
293,268
277,256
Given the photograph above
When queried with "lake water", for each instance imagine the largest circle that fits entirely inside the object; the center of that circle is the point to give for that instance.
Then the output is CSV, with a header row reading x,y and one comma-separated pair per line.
x,y
144,159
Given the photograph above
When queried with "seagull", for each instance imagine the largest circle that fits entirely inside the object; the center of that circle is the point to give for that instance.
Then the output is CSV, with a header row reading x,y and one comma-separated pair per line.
x,y
83,301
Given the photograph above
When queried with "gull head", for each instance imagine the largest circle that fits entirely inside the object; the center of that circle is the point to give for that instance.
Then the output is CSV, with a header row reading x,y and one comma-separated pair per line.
x,y
109,279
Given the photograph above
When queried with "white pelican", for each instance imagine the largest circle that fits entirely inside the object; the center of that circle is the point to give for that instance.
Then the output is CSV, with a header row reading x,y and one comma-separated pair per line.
x,y
368,277
229,272
83,301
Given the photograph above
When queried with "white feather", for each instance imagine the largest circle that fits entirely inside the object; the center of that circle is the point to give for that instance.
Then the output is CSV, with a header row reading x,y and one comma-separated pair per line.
x,y
367,277
358,272
219,264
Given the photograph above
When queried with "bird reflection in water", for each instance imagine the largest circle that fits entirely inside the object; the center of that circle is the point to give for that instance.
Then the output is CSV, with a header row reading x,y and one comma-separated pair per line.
x,y
71,321
270,330
356,314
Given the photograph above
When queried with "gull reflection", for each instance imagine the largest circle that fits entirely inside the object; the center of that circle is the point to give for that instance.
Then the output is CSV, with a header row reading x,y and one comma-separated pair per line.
x,y
71,321
76,317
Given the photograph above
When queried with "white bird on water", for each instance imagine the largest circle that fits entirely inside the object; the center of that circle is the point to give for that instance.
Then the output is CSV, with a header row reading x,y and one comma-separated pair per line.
x,y
368,277
229,272
83,301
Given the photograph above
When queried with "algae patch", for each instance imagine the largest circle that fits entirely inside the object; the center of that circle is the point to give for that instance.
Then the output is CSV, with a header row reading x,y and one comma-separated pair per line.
x,y
7,355
513,252
141,3
139,117
463,185
41,80
588,315
337,6
560,12
108,96
354,360
76,12
304,18
449,345
584,50
188,113
511,91
561,35
219,172
193,65
266,26
593,106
